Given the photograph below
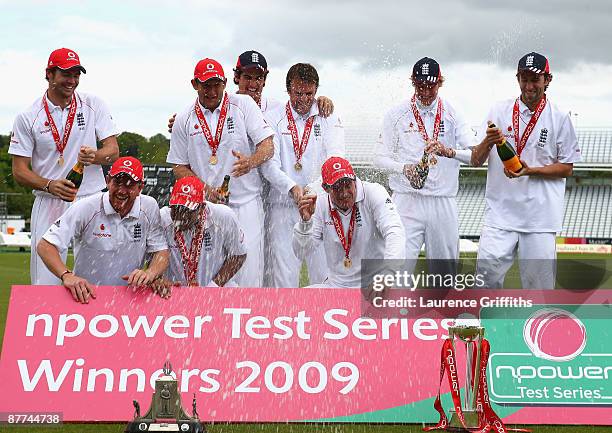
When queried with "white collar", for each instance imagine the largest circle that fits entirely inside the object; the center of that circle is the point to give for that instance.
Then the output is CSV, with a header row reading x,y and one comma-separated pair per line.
x,y
427,108
314,111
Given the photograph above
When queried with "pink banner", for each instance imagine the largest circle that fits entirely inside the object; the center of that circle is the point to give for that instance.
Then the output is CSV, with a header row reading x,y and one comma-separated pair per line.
x,y
306,353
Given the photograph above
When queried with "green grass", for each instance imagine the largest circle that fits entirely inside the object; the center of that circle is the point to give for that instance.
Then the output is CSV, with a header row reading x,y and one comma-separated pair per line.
x,y
14,270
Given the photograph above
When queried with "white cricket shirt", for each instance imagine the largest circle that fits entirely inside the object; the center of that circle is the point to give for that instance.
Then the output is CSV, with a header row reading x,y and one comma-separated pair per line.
x,y
223,237
529,204
326,139
401,143
31,137
379,234
244,128
106,245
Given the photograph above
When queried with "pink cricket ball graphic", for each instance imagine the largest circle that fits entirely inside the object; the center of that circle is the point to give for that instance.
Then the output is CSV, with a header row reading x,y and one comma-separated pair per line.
x,y
554,334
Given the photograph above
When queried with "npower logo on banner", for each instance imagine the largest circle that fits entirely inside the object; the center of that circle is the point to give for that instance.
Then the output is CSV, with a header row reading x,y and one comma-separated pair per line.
x,y
562,357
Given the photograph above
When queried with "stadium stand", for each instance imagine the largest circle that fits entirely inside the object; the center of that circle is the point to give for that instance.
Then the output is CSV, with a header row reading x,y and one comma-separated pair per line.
x,y
588,199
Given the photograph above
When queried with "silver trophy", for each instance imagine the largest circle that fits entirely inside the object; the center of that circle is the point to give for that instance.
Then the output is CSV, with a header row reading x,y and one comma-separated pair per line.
x,y
469,335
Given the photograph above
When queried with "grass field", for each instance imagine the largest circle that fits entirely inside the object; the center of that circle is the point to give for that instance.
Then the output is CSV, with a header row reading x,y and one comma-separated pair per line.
x,y
574,271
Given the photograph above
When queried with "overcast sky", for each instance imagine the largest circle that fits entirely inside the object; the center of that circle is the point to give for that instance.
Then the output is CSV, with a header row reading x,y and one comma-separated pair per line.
x,y
140,55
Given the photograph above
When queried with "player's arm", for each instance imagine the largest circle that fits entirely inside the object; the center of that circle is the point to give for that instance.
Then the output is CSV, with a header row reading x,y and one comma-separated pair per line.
x,y
231,265
182,171
557,170
308,231
80,288
481,151
108,153
389,224
23,175
244,164
385,156
157,267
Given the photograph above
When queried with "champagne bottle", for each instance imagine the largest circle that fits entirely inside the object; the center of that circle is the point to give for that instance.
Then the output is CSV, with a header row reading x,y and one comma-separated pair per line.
x,y
507,154
224,189
422,171
76,175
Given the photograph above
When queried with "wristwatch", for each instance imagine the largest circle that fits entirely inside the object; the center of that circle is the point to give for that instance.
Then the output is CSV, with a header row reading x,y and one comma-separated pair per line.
x,y
67,271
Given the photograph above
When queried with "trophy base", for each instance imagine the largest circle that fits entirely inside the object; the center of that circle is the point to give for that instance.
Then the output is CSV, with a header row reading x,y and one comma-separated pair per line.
x,y
149,425
471,422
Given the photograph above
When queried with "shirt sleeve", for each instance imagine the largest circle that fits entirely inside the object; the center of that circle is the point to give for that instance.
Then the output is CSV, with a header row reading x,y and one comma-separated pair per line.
x,y
179,143
257,127
307,236
272,170
156,239
568,150
68,226
388,223
334,137
385,147
234,243
22,137
105,124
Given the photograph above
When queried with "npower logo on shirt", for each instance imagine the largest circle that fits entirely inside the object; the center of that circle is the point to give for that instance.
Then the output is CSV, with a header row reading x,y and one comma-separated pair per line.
x,y
562,357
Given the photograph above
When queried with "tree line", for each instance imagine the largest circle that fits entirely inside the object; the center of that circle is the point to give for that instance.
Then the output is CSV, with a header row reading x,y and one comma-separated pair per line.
x,y
152,150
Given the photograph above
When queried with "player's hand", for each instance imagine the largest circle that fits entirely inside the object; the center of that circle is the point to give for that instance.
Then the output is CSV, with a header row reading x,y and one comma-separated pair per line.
x,y
242,165
326,106
493,135
87,155
296,193
438,148
63,189
138,278
171,122
214,196
525,171
307,206
163,287
80,289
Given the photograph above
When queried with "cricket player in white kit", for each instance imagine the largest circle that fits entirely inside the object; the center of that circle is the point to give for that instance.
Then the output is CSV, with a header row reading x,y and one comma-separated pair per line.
x,y
220,134
112,232
205,239
303,141
49,138
426,123
524,209
353,220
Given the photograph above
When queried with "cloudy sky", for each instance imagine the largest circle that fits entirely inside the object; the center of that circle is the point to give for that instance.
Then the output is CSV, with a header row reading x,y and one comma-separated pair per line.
x,y
140,54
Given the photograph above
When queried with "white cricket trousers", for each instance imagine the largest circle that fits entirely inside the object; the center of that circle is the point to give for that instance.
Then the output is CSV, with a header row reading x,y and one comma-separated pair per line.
x,y
285,265
433,221
45,211
251,218
536,253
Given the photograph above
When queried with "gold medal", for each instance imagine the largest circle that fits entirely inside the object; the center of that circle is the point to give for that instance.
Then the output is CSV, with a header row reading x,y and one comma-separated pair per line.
x,y
348,262
60,160
213,160
297,166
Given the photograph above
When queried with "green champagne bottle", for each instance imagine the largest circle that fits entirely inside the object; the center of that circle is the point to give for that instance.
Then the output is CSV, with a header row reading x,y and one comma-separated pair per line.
x,y
224,189
507,154
76,175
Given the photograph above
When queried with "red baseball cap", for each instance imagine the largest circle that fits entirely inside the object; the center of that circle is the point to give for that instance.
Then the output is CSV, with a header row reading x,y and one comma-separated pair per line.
x,y
207,69
336,168
64,58
189,192
128,165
